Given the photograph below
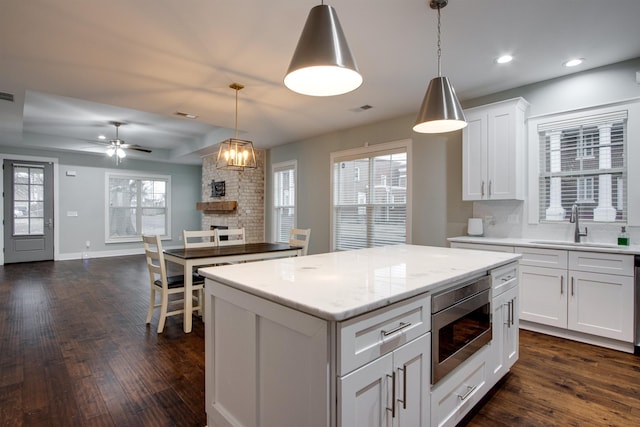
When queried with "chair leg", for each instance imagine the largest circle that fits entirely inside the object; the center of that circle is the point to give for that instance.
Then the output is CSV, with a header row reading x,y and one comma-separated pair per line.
x,y
152,303
163,311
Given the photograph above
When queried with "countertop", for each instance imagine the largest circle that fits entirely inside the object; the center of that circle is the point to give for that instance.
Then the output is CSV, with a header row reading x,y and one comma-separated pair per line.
x,y
339,285
550,244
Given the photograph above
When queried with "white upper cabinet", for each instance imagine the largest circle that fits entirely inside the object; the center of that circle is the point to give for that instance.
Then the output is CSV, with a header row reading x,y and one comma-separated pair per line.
x,y
493,146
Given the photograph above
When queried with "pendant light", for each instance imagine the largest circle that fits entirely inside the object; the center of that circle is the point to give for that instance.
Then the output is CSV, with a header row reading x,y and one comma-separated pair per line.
x,y
440,111
236,154
322,64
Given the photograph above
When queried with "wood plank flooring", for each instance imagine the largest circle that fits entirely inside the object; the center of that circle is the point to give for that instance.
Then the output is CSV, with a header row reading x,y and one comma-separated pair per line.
x,y
75,351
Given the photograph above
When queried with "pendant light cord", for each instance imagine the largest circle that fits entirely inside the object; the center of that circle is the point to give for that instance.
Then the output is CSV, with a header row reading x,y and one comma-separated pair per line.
x,y
237,113
439,48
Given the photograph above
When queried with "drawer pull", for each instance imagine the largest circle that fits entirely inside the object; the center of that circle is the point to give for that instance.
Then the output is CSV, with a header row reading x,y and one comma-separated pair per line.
x,y
401,326
470,390
506,279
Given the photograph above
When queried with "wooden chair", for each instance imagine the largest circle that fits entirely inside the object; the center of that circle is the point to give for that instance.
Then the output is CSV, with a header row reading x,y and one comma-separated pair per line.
x,y
300,237
235,236
199,238
166,285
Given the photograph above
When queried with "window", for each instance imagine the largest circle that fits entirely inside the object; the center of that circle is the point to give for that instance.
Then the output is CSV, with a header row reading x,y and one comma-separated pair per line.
x,y
284,200
370,199
137,205
583,161
28,200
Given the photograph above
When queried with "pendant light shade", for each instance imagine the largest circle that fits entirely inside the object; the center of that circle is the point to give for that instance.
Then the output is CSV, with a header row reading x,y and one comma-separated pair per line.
x,y
322,64
440,111
236,154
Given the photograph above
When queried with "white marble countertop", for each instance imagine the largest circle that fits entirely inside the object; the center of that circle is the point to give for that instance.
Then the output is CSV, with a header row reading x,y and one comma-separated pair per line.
x,y
340,285
550,244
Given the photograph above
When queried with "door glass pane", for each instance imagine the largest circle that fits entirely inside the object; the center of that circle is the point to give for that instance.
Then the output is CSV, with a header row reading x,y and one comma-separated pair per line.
x,y
21,226
36,226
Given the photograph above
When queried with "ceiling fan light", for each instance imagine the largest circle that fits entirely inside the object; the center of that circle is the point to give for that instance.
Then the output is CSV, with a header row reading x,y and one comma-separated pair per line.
x,y
111,151
322,64
120,152
440,111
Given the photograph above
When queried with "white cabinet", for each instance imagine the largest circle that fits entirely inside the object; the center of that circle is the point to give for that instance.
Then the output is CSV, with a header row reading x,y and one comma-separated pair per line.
x,y
393,390
505,340
493,144
588,292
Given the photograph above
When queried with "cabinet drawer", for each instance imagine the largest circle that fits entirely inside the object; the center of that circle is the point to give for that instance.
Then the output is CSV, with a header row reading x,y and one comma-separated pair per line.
x,y
482,247
367,337
536,257
598,262
504,278
456,394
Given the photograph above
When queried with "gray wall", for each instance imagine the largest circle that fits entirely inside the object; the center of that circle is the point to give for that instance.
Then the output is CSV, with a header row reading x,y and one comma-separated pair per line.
x,y
438,210
85,194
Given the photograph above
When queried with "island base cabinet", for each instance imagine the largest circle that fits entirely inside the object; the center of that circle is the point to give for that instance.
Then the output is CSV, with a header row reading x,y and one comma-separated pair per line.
x,y
393,390
261,358
457,393
505,342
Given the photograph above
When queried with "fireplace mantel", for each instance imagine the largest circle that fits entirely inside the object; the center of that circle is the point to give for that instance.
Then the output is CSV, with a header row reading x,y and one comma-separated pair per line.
x,y
227,206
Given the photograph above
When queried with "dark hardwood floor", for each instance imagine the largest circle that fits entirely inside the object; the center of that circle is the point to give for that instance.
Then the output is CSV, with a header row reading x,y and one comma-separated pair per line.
x,y
75,351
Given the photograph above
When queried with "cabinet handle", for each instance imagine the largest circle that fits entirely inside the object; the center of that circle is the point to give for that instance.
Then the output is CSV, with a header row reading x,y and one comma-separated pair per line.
x,y
513,312
506,279
509,313
393,394
561,285
404,386
470,390
482,189
571,285
489,188
401,326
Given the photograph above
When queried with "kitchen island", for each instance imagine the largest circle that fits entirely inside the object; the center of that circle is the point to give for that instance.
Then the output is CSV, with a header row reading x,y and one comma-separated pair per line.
x,y
328,339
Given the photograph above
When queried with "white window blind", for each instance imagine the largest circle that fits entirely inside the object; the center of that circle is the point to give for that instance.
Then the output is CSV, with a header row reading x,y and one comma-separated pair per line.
x,y
284,200
583,161
137,205
370,199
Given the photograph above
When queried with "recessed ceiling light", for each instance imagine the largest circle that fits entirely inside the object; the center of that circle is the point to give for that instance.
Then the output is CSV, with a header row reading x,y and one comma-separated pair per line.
x,y
504,59
573,62
102,137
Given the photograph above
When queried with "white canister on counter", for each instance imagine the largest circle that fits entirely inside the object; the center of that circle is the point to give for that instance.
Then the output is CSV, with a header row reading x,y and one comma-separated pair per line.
x,y
474,227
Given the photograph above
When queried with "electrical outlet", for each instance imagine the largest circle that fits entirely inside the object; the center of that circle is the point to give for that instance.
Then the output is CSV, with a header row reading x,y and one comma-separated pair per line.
x,y
88,244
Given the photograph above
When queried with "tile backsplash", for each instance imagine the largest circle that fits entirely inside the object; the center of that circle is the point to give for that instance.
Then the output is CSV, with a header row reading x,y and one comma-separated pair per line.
x,y
507,218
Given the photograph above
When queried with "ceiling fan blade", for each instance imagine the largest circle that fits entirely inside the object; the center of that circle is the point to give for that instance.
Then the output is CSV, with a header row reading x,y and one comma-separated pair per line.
x,y
136,148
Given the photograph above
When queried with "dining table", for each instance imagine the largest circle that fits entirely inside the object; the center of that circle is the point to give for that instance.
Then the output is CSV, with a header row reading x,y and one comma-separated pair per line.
x,y
197,257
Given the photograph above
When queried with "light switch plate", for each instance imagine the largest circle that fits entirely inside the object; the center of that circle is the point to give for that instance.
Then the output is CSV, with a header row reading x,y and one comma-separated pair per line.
x,y
72,213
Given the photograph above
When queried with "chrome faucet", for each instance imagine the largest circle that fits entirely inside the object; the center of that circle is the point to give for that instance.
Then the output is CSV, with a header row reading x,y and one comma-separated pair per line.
x,y
575,218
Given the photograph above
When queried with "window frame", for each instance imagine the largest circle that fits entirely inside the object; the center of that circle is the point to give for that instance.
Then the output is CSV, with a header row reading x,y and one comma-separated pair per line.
x,y
137,176
632,154
275,168
370,151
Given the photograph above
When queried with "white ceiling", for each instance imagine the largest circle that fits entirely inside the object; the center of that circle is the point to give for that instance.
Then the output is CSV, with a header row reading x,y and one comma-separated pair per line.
x,y
74,66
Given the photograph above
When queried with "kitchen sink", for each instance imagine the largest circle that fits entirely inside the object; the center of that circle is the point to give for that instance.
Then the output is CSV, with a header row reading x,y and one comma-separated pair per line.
x,y
575,244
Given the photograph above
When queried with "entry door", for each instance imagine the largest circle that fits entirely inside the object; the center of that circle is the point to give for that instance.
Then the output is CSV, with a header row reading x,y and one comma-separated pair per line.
x,y
28,211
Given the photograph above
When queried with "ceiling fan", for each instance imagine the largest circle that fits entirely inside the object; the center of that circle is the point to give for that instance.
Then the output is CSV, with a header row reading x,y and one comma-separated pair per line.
x,y
118,146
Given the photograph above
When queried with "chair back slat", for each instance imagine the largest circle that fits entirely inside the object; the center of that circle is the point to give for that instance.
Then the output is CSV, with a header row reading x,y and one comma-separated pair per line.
x,y
199,238
300,237
234,236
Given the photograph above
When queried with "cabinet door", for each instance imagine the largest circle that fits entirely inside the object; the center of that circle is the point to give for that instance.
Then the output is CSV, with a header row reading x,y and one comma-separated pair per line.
x,y
412,364
365,394
501,153
499,318
543,295
602,304
474,157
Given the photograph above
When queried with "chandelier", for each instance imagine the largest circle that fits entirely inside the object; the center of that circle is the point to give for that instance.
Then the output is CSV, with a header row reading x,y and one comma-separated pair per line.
x,y
236,154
